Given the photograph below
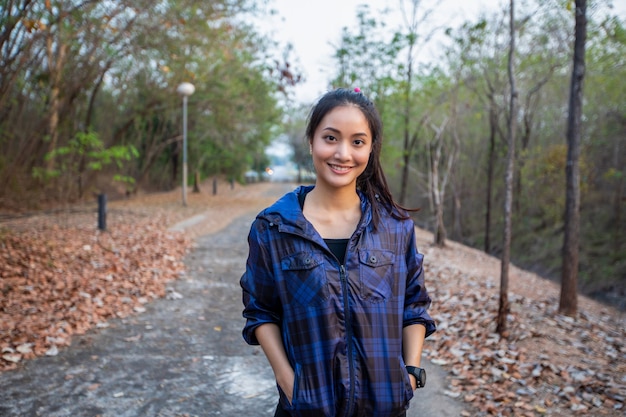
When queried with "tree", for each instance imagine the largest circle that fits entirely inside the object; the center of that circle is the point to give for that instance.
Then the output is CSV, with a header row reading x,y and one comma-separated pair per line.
x,y
603,160
543,52
478,56
439,180
569,272
503,309
76,67
21,30
375,70
413,23
295,126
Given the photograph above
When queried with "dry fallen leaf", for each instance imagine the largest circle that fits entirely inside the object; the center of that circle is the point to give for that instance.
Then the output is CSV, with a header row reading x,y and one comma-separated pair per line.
x,y
12,357
549,364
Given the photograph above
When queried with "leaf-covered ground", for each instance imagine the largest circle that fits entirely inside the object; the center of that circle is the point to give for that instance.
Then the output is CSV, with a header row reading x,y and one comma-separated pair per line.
x,y
549,364
60,276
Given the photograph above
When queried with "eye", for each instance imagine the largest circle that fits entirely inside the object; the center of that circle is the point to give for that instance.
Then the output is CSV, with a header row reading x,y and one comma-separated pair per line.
x,y
359,142
330,138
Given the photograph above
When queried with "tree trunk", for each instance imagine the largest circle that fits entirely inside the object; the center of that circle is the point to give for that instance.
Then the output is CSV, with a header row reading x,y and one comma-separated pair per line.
x,y
55,67
568,304
405,176
618,200
439,183
174,159
406,154
412,25
457,231
92,96
503,309
440,231
196,182
493,119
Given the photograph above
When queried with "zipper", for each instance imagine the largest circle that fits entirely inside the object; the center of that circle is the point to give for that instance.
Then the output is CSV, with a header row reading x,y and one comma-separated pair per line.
x,y
346,306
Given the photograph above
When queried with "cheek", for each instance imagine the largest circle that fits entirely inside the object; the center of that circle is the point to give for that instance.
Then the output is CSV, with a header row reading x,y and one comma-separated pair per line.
x,y
365,157
320,150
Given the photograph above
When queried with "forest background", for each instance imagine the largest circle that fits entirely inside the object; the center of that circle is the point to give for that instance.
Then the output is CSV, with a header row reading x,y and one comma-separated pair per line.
x,y
88,105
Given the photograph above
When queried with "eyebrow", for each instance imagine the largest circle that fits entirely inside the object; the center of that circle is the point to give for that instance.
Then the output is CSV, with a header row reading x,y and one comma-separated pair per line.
x,y
332,129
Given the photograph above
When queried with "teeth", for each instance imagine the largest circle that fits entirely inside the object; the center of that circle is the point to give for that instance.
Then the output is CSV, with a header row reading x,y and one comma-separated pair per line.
x,y
338,168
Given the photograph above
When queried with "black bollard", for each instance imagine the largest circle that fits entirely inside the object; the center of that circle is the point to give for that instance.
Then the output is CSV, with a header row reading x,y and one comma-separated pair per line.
x,y
102,211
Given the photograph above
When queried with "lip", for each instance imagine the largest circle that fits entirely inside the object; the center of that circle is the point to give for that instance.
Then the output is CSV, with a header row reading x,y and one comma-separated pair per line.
x,y
340,169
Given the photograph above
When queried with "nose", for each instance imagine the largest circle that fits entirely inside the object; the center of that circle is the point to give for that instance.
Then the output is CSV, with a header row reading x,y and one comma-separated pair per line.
x,y
342,151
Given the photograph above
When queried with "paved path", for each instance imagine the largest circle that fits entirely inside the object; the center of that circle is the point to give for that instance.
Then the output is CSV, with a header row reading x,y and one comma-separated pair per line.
x,y
183,357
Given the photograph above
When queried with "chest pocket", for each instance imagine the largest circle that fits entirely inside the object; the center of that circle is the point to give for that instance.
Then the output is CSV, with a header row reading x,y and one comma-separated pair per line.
x,y
305,277
376,274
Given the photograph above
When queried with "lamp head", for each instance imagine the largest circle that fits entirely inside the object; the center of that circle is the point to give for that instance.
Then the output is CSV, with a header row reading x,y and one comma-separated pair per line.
x,y
186,89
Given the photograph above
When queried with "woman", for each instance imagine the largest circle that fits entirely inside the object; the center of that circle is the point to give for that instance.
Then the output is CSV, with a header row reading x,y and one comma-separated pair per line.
x,y
334,288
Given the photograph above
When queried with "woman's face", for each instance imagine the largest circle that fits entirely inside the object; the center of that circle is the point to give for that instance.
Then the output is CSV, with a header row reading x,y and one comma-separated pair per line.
x,y
341,147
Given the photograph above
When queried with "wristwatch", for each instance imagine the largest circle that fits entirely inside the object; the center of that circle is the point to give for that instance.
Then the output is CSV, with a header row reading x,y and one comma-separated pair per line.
x,y
419,374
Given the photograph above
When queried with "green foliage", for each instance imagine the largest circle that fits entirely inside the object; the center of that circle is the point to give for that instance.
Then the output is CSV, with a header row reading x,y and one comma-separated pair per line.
x,y
84,153
376,69
118,77
612,174
100,158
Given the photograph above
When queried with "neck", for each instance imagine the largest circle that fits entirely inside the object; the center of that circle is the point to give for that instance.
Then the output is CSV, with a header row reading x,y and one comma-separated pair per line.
x,y
334,199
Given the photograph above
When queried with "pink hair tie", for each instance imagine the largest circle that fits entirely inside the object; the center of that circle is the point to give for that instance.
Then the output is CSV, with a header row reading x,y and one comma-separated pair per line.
x,y
357,90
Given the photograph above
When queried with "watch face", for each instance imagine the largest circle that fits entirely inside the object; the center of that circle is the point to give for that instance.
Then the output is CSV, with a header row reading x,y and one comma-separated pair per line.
x,y
419,374
422,378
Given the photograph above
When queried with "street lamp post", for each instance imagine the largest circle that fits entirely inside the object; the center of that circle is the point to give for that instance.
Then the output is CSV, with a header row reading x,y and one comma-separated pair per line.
x,y
185,90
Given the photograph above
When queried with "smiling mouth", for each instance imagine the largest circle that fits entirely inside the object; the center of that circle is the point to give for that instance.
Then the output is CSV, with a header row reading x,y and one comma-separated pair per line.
x,y
339,168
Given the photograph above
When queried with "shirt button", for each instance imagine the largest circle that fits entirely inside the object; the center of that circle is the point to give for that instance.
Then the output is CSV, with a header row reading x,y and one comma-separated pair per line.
x,y
373,259
307,261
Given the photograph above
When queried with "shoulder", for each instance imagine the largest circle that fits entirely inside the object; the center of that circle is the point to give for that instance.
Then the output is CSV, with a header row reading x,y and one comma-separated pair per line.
x,y
400,230
395,217
285,210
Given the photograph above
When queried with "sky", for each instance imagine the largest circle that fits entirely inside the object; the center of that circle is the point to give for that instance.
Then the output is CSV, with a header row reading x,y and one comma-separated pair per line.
x,y
313,26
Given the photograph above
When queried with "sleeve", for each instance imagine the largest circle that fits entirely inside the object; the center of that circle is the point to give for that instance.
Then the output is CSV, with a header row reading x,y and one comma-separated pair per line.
x,y
416,301
261,301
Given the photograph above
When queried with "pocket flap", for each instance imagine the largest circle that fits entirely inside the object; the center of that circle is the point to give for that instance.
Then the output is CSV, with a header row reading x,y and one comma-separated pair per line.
x,y
375,257
301,260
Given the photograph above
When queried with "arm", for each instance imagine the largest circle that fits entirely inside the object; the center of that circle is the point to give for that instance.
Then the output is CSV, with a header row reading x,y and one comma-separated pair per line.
x,y
416,301
262,307
412,344
268,335
260,298
417,322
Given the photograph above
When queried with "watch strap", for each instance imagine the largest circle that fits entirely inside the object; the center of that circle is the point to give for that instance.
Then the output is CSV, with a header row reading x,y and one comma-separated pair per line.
x,y
419,374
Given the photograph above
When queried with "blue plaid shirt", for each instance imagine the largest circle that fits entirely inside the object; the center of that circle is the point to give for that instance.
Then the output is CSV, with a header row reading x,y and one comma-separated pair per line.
x,y
341,324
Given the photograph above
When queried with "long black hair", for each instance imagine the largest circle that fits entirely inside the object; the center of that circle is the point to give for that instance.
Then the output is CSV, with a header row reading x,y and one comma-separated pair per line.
x,y
372,181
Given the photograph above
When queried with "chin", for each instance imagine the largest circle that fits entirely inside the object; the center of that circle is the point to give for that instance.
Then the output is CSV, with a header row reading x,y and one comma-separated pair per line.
x,y
337,183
